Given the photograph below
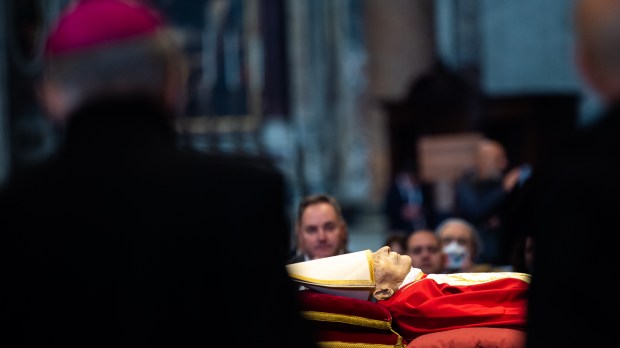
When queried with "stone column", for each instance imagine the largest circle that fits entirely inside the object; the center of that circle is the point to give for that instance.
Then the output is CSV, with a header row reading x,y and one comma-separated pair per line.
x,y
401,47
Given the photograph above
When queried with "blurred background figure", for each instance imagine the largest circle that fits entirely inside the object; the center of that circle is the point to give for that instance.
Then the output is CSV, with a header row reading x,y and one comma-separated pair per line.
x,y
396,242
407,203
121,238
426,252
479,82
462,246
573,206
481,195
320,228
523,254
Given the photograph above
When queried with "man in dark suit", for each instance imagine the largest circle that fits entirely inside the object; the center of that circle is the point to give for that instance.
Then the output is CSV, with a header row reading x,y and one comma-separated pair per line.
x,y
122,238
408,204
573,204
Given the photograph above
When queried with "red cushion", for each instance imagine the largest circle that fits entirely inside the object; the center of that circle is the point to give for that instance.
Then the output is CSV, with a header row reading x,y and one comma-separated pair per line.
x,y
479,337
341,321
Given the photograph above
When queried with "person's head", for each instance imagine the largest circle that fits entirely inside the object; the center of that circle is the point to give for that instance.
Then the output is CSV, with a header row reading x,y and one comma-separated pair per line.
x,y
111,48
455,235
597,46
491,160
396,242
390,271
407,174
528,253
523,254
320,227
425,249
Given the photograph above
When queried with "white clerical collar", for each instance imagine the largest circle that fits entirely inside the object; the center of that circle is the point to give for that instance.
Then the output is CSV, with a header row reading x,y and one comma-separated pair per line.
x,y
413,275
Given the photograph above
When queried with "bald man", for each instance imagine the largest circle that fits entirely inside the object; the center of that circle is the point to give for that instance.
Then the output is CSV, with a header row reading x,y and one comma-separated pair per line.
x,y
573,202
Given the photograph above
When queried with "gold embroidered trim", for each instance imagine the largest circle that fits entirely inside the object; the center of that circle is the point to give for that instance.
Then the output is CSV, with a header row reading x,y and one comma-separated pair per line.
x,y
477,277
364,284
348,319
371,266
355,320
367,284
338,344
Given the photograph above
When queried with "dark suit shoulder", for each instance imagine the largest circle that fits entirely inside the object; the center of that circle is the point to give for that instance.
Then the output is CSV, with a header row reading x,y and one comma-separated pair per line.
x,y
296,258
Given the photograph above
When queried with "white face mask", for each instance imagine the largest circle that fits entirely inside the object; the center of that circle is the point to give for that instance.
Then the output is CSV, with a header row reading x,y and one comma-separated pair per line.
x,y
456,255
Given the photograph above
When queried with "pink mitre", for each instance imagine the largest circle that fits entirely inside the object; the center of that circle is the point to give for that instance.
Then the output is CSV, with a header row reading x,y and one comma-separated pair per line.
x,y
89,23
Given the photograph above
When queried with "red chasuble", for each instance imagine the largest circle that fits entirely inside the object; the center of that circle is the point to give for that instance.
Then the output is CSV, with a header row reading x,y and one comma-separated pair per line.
x,y
426,305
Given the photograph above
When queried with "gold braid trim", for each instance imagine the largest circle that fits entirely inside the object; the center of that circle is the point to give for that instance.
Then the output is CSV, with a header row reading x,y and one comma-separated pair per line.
x,y
348,319
477,277
371,266
336,283
339,344
363,284
354,320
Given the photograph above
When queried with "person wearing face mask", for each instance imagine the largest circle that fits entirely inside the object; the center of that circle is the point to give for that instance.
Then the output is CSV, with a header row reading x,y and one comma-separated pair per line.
x,y
419,303
461,245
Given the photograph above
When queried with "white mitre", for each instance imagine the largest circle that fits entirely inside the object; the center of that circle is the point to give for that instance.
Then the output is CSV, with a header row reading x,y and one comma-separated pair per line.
x,y
350,275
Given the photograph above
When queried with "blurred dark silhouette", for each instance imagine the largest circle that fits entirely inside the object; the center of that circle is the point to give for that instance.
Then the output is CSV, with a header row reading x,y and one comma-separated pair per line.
x,y
408,202
572,209
122,238
482,196
440,101
523,254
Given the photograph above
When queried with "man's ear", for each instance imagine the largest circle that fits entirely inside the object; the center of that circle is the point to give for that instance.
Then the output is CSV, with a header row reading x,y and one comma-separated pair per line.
x,y
298,238
590,72
383,294
345,234
175,96
444,260
53,100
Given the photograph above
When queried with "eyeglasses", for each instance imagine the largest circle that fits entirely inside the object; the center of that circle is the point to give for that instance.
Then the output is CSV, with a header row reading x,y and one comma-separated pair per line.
x,y
419,250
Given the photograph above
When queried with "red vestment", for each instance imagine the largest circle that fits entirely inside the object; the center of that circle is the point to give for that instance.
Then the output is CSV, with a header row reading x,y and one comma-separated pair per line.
x,y
426,306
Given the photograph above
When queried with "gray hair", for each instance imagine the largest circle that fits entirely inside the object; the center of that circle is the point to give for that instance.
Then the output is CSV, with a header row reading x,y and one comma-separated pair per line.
x,y
477,241
145,65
